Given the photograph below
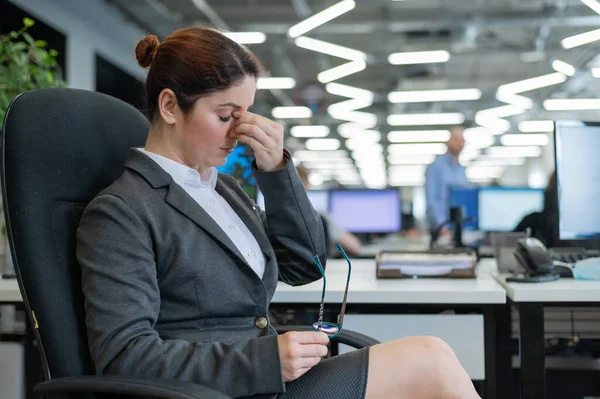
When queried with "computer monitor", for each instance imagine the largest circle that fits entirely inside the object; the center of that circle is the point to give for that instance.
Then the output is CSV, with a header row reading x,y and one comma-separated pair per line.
x,y
318,198
239,165
502,208
366,211
577,152
468,200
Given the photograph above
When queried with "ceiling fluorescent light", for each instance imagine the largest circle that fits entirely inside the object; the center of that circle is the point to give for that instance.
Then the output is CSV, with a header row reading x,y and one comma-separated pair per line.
x,y
419,136
309,131
332,167
498,161
524,139
405,170
564,68
596,72
276,83
417,149
330,49
503,111
410,159
482,130
291,112
341,71
515,99
349,105
479,139
322,144
356,143
349,129
581,39
341,90
306,156
246,37
419,57
498,125
353,116
320,18
425,119
572,105
483,172
434,95
536,126
533,83
511,152
407,181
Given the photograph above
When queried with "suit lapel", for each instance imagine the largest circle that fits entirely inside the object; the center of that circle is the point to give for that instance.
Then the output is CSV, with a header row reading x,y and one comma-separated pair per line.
x,y
248,217
180,200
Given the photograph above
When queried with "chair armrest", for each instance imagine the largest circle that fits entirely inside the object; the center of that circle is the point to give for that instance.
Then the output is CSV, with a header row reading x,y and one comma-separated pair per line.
x,y
156,388
346,337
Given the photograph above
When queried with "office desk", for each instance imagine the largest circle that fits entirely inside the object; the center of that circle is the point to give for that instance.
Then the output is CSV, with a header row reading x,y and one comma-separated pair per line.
x,y
365,288
530,300
369,295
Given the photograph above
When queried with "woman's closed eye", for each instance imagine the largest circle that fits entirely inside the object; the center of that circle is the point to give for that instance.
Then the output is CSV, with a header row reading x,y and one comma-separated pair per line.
x,y
225,118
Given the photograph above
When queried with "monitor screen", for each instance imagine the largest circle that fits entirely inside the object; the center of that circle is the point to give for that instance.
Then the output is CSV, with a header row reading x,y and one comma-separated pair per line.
x,y
577,147
318,198
466,198
502,208
239,165
366,211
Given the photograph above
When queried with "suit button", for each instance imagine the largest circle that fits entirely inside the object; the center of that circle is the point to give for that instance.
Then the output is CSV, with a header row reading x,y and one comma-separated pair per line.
x,y
260,322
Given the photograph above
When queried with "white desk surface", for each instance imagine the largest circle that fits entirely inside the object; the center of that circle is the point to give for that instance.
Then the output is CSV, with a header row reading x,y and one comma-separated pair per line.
x,y
366,288
9,290
561,290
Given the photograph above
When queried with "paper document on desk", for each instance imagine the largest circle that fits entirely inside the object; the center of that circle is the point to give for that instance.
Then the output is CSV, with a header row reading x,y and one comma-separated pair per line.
x,y
425,264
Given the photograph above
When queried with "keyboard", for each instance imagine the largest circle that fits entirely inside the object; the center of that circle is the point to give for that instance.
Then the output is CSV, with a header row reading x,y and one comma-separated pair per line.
x,y
572,255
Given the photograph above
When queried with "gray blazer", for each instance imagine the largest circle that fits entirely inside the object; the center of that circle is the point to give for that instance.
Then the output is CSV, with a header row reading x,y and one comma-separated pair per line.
x,y
167,293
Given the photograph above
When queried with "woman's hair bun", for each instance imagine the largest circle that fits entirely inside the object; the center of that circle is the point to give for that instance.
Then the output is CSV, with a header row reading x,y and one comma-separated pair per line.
x,y
145,50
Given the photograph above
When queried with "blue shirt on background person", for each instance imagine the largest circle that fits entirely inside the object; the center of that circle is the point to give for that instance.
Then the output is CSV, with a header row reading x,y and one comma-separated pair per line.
x,y
444,173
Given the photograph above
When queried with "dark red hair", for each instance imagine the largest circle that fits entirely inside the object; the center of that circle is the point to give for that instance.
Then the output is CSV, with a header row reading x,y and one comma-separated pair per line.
x,y
193,62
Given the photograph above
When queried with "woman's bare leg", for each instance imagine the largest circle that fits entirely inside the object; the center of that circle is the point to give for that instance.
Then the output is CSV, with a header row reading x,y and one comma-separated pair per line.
x,y
415,368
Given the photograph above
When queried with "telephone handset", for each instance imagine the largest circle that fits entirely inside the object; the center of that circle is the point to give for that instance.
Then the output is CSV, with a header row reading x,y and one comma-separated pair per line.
x,y
534,258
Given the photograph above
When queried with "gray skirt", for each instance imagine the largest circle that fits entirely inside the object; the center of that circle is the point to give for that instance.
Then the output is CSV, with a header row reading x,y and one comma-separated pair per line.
x,y
343,376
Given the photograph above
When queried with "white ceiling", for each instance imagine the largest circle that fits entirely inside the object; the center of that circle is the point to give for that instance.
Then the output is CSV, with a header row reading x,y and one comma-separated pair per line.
x,y
492,42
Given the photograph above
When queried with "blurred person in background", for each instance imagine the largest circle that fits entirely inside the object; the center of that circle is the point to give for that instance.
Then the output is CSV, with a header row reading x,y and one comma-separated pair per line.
x,y
335,234
544,225
444,173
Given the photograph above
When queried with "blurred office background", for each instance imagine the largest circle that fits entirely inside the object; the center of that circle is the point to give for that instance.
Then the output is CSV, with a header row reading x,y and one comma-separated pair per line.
x,y
368,97
507,62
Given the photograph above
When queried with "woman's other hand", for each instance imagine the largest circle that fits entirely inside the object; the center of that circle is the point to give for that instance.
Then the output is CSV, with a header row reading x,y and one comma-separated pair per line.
x,y
299,351
264,136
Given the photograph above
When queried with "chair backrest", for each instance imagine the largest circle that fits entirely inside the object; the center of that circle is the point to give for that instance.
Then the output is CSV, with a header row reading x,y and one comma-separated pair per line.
x,y
60,147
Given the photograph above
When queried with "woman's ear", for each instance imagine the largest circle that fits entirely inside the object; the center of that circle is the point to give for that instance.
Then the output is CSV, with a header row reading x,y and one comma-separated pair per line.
x,y
167,105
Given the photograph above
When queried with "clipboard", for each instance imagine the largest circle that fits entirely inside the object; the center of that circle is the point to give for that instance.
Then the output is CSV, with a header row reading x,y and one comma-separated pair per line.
x,y
436,263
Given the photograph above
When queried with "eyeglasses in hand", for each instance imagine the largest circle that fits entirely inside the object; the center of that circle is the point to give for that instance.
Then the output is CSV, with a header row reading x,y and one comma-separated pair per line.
x,y
331,329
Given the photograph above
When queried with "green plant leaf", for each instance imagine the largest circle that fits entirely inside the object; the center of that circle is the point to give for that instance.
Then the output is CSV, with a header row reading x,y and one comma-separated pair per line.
x,y
28,22
41,43
53,53
28,38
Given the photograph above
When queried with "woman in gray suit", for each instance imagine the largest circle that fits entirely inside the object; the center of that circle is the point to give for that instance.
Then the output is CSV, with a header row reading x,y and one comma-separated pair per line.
x,y
179,266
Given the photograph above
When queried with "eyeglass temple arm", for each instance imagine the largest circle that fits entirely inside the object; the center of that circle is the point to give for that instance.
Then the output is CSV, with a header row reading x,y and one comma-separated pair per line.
x,y
317,262
343,311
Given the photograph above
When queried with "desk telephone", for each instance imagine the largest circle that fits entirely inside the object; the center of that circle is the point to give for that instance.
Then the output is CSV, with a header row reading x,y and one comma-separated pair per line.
x,y
534,258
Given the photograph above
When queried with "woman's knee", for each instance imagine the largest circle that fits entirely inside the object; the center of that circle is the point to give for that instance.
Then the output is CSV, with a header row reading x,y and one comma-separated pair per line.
x,y
446,377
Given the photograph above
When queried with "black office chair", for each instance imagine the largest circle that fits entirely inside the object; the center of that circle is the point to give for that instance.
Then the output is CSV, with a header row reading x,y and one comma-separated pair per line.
x,y
61,147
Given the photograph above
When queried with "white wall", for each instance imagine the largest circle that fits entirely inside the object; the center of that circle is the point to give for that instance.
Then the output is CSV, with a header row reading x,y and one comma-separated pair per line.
x,y
91,27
